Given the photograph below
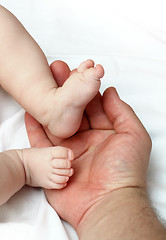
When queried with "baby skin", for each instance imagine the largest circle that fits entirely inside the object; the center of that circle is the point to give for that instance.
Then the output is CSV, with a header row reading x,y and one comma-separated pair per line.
x,y
67,103
25,75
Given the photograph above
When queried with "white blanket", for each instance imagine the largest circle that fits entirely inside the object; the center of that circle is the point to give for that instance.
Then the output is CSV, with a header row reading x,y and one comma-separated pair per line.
x,y
129,39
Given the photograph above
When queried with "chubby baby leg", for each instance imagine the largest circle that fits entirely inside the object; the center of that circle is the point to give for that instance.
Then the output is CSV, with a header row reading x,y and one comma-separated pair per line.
x,y
12,175
49,168
71,99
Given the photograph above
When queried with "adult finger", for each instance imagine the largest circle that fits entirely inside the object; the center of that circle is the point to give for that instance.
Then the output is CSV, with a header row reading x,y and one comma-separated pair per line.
x,y
60,71
96,114
121,114
36,134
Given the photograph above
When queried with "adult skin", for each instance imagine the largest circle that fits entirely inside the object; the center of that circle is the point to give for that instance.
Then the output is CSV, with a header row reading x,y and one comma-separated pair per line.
x,y
106,197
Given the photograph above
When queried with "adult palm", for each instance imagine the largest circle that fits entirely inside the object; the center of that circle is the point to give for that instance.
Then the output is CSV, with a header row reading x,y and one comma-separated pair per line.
x,y
111,152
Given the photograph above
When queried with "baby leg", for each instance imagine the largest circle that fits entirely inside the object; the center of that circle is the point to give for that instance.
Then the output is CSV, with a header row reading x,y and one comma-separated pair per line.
x,y
12,175
47,167
71,99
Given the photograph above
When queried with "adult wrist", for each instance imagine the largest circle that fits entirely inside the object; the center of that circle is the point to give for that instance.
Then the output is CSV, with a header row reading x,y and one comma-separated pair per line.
x,y
122,214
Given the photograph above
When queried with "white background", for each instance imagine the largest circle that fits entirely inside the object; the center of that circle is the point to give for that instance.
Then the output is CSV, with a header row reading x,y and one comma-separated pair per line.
x,y
129,39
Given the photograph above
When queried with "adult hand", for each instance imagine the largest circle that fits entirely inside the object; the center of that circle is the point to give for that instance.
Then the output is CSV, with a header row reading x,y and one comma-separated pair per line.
x,y
111,153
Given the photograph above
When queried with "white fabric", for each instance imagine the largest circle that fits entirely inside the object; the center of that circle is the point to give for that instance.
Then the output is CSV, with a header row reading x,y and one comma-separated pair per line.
x,y
129,39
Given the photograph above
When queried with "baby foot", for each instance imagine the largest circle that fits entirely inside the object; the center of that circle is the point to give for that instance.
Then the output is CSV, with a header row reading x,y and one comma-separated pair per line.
x,y
71,99
90,76
49,168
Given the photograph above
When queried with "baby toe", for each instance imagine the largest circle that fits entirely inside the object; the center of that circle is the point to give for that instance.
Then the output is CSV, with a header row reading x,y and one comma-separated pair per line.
x,y
62,153
53,185
61,163
64,172
59,152
59,179
99,71
85,65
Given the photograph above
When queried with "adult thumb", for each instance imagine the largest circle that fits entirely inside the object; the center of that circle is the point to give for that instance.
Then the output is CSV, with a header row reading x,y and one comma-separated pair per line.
x,y
121,114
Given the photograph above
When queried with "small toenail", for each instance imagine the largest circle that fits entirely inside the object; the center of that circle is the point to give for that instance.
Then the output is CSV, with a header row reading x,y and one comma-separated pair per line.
x,y
69,164
70,155
71,172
